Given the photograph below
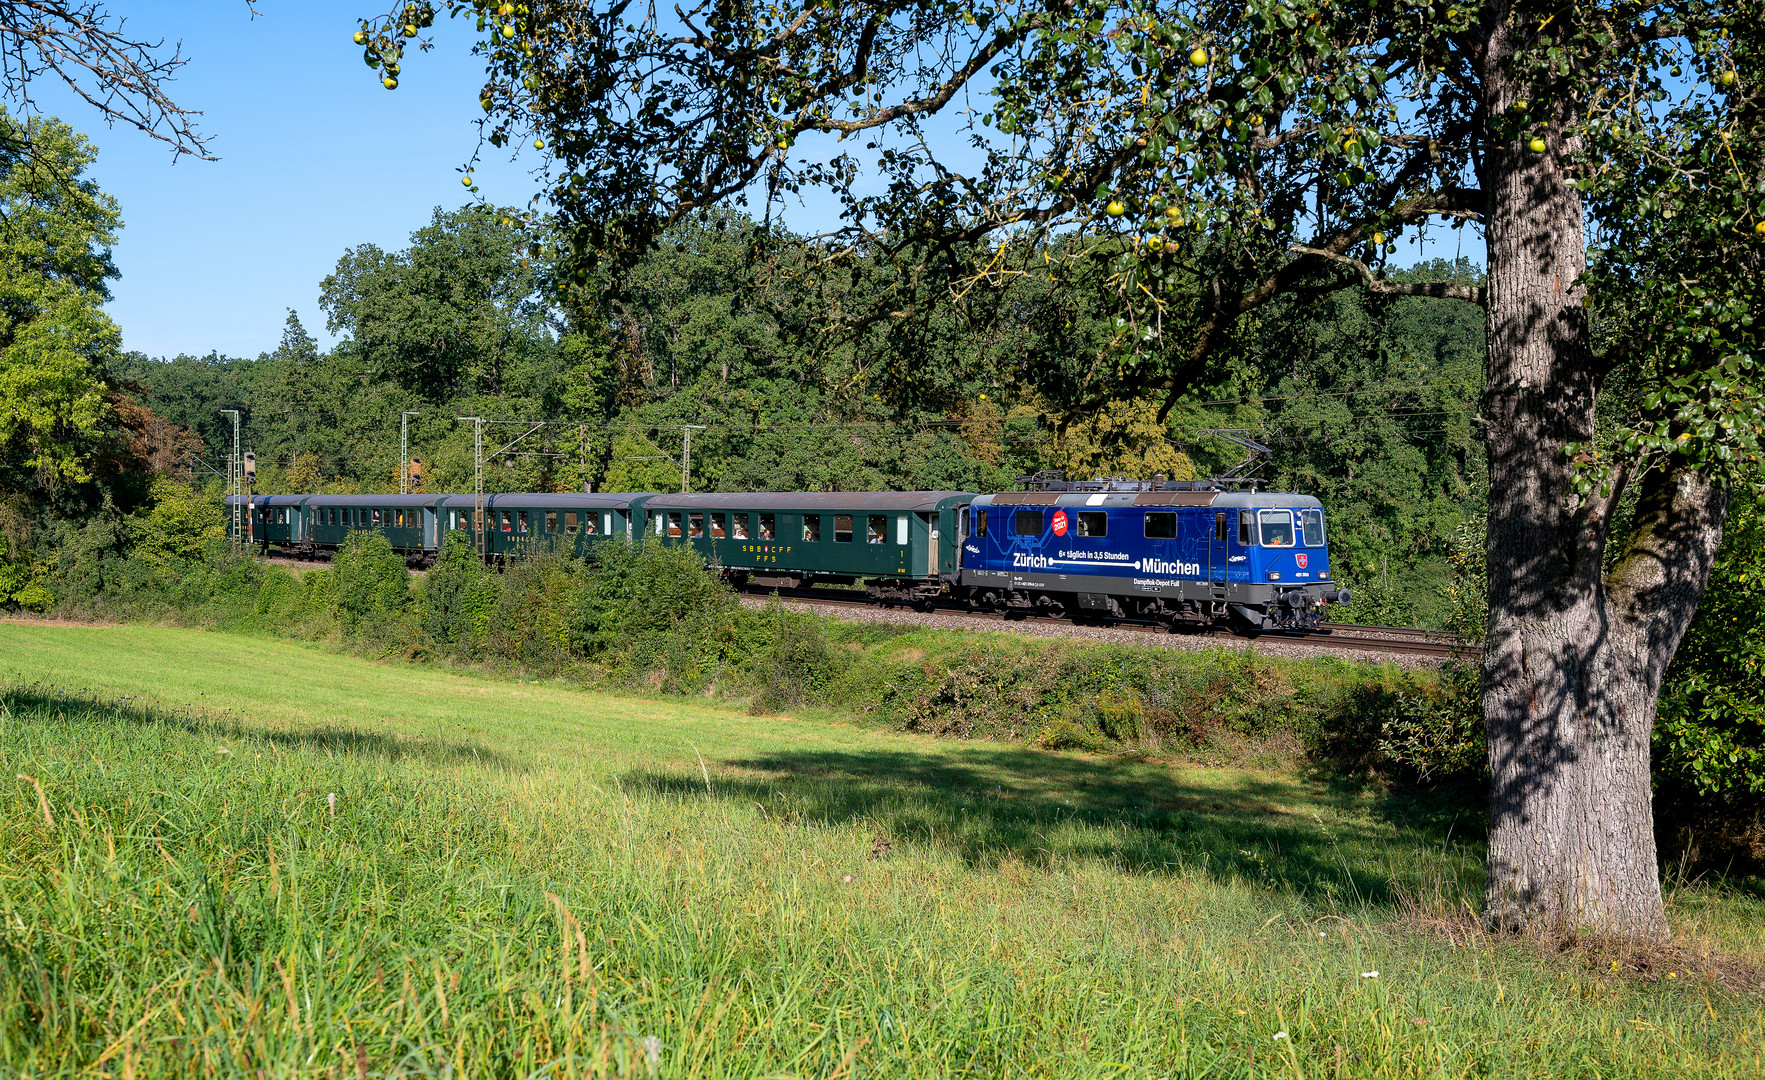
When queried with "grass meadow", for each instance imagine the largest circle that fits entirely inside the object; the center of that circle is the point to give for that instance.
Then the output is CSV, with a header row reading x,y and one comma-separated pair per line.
x,y
229,856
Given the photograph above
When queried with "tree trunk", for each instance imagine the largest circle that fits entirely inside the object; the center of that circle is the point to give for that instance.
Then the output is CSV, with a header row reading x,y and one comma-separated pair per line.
x,y
1574,656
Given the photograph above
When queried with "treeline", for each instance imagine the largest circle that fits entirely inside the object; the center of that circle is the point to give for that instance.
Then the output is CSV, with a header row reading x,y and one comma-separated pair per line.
x,y
730,326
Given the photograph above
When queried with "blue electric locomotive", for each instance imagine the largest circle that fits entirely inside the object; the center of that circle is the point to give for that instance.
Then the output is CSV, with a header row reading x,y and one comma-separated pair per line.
x,y
1160,551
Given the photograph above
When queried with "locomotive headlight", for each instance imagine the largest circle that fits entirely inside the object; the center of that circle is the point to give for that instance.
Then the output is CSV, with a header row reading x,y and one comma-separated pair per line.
x,y
1274,576
1323,575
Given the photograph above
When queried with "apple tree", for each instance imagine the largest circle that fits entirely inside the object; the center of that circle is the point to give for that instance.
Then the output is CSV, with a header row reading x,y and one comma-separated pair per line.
x,y
1209,156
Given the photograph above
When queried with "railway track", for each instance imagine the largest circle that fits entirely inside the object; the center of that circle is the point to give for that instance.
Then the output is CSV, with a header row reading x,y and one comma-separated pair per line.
x,y
1349,637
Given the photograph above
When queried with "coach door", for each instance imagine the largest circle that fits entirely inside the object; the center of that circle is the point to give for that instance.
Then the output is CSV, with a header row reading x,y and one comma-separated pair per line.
x,y
1216,551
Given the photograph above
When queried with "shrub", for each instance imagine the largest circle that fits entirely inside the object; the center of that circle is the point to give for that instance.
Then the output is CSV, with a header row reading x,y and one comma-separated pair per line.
x,y
373,586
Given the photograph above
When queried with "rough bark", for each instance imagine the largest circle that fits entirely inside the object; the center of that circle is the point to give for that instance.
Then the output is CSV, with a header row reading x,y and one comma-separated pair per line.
x,y
1574,656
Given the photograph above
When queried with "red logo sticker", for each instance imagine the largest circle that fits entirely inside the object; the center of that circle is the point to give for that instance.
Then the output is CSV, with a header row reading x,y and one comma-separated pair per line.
x,y
1300,559
1060,523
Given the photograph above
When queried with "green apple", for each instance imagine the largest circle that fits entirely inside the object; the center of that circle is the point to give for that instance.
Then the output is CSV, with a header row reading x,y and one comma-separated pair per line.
x,y
389,83
1198,57
1537,144
1115,208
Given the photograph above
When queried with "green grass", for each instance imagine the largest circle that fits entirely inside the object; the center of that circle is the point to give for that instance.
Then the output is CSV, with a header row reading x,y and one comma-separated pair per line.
x,y
521,879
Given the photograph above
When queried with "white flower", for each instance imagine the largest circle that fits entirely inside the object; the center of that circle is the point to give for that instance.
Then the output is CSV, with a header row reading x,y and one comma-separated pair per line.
x,y
1369,974
1280,1034
652,1049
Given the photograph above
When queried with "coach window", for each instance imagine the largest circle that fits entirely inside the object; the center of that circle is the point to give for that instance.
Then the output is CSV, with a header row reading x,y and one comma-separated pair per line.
x,y
1246,527
1161,526
1311,526
606,523
674,524
719,526
876,529
1277,528
570,522
811,528
695,524
1093,523
1026,523
842,528
376,517
741,526
522,527
768,526
508,520
901,530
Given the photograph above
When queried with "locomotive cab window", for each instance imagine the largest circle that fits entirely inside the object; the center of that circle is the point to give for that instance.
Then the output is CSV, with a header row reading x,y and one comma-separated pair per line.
x,y
811,528
1311,526
1093,523
741,526
1277,528
980,523
842,528
768,526
1219,530
1247,527
876,529
1161,526
1026,523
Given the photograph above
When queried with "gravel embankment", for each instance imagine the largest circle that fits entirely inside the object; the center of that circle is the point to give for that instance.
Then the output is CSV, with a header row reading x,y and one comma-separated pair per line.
x,y
947,620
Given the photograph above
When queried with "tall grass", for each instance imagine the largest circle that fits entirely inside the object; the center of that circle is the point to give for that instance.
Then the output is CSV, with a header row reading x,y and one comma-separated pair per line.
x,y
517,880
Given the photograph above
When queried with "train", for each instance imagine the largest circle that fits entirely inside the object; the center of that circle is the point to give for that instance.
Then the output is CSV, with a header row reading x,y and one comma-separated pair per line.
x,y
1187,554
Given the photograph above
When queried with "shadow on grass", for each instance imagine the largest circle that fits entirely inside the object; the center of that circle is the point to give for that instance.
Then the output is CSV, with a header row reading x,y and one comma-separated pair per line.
x,y
1026,804
77,706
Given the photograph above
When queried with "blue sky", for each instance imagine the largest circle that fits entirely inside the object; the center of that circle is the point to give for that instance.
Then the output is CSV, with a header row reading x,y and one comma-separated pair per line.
x,y
315,158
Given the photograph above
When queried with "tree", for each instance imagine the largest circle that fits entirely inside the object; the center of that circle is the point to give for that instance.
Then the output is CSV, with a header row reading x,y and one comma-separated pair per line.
x,y
455,313
1214,156
56,414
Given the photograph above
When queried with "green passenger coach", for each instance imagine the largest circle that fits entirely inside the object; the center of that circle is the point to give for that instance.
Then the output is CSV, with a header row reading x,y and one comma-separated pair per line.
x,y
569,523
902,542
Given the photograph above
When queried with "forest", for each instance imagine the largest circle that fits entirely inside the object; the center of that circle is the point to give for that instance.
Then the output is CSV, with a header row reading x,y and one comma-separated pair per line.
x,y
1369,405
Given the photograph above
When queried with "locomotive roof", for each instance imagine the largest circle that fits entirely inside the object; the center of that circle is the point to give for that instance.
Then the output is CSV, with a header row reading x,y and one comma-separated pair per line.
x,y
811,501
601,500
1148,498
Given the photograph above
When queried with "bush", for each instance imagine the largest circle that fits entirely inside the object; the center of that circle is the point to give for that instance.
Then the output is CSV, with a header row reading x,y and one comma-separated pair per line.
x,y
800,667
373,586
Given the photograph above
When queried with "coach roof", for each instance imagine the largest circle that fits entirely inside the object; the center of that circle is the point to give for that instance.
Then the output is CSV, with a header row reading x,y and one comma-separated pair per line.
x,y
813,501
